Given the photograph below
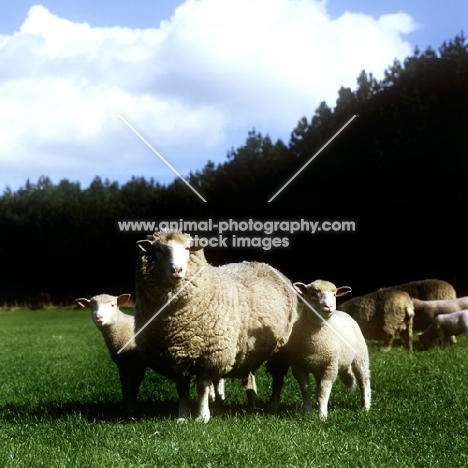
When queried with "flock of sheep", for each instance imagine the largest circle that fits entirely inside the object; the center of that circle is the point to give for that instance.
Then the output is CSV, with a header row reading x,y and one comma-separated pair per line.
x,y
195,320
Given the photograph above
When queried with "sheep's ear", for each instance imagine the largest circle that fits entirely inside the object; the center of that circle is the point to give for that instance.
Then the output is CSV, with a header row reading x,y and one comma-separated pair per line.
x,y
301,288
83,301
145,245
123,299
342,291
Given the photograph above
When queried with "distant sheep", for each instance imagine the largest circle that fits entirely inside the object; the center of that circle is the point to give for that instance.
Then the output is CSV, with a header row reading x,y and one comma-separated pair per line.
x,y
426,311
382,314
214,321
443,327
428,289
327,343
117,329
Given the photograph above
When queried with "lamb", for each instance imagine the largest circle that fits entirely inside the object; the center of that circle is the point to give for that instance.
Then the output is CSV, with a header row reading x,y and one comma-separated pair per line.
x,y
327,343
382,314
443,327
117,329
211,322
428,289
426,311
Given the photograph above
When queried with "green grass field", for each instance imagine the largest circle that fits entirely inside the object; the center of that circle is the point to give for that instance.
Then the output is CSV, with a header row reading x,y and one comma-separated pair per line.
x,y
59,398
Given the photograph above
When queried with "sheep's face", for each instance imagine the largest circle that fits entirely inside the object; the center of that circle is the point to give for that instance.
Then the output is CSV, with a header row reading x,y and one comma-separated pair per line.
x,y
174,256
104,308
172,252
320,296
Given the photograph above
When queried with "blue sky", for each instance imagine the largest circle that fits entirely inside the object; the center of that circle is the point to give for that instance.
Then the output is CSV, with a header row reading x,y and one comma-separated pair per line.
x,y
191,77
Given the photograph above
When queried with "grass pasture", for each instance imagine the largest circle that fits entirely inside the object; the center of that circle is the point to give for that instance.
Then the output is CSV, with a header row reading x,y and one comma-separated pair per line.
x,y
59,395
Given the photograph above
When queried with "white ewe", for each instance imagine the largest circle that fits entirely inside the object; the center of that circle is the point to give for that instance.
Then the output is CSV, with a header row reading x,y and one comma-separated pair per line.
x,y
211,322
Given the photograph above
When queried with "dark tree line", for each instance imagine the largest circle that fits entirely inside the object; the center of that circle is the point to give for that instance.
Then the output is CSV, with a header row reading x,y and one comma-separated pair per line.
x,y
398,171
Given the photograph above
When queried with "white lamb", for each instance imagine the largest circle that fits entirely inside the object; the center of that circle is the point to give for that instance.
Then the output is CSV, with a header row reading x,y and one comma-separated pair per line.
x,y
327,343
210,322
426,311
117,329
443,327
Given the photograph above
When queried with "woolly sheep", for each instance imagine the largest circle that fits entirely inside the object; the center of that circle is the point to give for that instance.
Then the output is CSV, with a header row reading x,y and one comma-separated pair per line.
x,y
117,329
327,343
443,327
426,311
214,321
382,314
428,289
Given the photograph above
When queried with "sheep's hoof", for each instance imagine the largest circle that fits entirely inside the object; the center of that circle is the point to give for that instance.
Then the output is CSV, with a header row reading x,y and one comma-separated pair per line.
x,y
181,421
202,419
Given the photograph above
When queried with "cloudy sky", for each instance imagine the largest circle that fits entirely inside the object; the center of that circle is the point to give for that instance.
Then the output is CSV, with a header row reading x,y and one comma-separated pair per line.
x,y
192,77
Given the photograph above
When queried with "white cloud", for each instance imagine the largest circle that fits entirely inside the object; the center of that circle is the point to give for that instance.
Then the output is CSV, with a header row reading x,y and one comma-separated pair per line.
x,y
215,68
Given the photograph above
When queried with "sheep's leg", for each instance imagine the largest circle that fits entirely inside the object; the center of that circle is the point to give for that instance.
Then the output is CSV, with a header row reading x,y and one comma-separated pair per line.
x,y
183,391
250,387
131,376
302,378
442,341
324,386
212,392
410,332
277,386
137,376
407,335
388,342
217,391
361,371
277,366
203,391
124,384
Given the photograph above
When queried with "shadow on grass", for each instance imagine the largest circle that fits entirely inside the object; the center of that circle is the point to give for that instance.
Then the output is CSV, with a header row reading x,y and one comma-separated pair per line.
x,y
92,412
110,411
